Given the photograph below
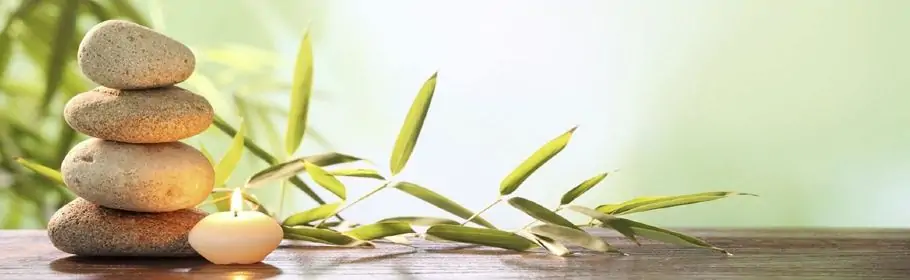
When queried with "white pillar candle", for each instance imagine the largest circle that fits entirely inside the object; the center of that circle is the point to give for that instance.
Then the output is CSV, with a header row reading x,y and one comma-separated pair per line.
x,y
236,236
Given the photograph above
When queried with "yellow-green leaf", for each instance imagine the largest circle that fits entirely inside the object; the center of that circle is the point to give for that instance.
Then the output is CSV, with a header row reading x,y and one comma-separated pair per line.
x,y
413,123
571,236
379,230
320,235
481,236
231,157
302,87
582,188
360,173
442,202
547,243
293,167
330,158
605,219
420,221
535,161
539,212
326,180
42,170
661,202
319,213
659,234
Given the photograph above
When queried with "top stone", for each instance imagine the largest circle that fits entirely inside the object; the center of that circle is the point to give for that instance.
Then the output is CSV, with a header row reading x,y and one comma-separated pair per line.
x,y
123,55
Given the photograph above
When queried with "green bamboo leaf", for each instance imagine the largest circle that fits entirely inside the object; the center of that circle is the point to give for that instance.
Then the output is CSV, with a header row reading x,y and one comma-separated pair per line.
x,y
330,158
319,235
6,52
547,243
42,170
413,123
65,34
535,161
231,157
642,205
319,213
539,212
326,180
582,188
420,221
379,230
571,236
205,152
360,173
302,87
607,208
605,219
442,202
659,234
291,168
481,236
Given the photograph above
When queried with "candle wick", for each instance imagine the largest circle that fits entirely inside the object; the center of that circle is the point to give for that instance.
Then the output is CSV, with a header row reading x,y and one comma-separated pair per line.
x,y
235,214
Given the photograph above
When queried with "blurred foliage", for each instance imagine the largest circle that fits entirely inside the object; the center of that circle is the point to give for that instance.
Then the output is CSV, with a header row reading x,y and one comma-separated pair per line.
x,y
39,73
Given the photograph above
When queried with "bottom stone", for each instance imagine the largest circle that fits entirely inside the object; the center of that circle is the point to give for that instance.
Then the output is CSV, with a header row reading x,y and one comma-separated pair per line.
x,y
85,229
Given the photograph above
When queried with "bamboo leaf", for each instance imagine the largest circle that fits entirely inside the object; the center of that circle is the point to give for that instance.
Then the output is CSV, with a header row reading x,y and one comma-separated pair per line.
x,y
539,212
302,87
442,202
605,219
571,236
643,204
360,173
420,221
481,236
42,170
319,213
257,151
547,243
100,13
582,188
231,157
6,52
379,230
535,161
66,30
659,234
319,235
326,180
330,158
413,123
293,167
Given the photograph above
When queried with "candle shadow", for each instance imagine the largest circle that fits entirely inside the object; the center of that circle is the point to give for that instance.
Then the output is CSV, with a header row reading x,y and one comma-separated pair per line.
x,y
158,268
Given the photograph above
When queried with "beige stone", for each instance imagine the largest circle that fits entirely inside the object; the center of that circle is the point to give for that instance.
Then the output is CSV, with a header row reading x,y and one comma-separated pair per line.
x,y
87,229
160,177
124,55
139,116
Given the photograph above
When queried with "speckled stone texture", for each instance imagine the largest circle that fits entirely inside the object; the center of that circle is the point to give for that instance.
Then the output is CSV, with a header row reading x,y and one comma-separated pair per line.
x,y
138,177
139,116
87,229
124,55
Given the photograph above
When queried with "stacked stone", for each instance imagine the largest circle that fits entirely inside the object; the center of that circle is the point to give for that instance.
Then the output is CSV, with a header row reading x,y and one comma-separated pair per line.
x,y
137,184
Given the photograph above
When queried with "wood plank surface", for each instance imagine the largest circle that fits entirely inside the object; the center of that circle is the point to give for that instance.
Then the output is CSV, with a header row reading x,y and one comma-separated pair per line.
x,y
758,254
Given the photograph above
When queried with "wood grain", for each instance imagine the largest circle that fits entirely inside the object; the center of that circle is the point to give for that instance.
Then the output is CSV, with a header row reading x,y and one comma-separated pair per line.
x,y
758,254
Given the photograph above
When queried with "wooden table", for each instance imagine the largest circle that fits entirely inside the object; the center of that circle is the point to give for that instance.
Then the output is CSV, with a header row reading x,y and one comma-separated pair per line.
x,y
758,254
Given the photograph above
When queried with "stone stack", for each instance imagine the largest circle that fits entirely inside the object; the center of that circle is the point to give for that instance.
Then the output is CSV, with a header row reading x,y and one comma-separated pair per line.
x,y
137,184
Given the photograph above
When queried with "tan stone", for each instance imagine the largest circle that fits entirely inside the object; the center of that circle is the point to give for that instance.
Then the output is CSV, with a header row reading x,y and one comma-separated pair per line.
x,y
139,116
138,177
124,55
87,229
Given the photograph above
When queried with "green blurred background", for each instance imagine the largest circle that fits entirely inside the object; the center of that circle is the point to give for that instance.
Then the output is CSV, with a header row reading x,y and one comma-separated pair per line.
x,y
803,102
